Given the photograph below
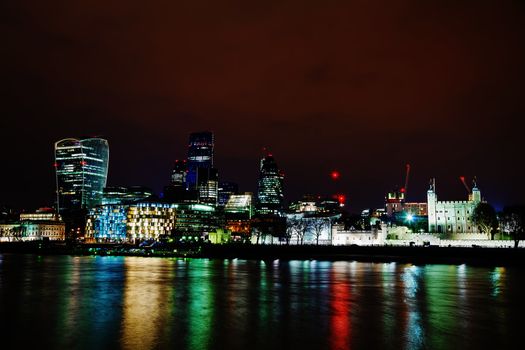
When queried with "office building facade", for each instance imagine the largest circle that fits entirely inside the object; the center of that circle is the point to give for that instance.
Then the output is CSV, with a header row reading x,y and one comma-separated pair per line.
x,y
269,188
81,172
200,155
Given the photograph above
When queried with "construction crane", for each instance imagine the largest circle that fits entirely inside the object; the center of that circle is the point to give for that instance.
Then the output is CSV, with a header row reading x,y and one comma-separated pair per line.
x,y
462,178
405,189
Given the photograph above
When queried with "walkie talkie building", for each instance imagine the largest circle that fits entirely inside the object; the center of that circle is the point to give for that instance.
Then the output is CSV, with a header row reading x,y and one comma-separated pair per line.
x,y
81,172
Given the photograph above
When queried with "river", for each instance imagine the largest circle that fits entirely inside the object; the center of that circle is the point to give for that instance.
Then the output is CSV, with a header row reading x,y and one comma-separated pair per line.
x,y
68,302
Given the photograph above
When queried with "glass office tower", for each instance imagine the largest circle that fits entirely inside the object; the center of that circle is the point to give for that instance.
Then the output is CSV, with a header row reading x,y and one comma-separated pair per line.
x,y
200,155
270,188
81,172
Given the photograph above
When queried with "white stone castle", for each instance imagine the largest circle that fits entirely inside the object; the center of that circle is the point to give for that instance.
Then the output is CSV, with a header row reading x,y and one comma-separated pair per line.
x,y
451,217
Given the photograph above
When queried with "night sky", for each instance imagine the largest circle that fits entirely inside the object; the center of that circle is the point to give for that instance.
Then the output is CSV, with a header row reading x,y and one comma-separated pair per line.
x,y
359,86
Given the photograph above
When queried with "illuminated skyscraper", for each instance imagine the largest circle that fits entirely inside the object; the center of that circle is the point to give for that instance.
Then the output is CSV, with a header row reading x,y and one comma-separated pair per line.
x,y
270,187
207,185
200,155
81,172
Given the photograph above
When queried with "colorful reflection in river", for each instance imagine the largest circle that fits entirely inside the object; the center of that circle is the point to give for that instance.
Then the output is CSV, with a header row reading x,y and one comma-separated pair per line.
x,y
142,303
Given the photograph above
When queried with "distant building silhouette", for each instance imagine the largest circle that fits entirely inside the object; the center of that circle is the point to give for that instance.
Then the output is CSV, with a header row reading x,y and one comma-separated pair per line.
x,y
179,172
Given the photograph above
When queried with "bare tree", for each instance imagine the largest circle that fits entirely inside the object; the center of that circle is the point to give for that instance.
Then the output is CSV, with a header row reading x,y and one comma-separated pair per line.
x,y
318,225
513,223
289,232
298,226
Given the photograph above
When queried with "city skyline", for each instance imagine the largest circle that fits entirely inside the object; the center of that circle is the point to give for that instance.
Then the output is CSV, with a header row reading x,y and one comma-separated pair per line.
x,y
363,88
334,176
332,187
278,174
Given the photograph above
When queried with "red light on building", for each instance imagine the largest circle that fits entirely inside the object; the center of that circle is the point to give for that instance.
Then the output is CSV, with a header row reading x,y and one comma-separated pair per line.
x,y
83,163
55,165
403,190
341,198
335,175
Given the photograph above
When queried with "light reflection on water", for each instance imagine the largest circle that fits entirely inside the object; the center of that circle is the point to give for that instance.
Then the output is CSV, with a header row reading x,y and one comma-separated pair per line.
x,y
144,303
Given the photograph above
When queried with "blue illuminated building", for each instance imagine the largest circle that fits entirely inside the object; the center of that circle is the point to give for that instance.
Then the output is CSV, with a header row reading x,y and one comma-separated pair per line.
x,y
150,220
108,222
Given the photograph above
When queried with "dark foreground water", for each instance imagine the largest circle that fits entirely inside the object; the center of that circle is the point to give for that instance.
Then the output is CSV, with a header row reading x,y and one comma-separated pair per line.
x,y
142,303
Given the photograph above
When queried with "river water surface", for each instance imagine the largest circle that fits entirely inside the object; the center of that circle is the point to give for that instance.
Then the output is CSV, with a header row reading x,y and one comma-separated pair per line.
x,y
67,302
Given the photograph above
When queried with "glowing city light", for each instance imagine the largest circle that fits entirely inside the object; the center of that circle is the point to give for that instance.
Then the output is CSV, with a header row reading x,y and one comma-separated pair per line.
x,y
335,175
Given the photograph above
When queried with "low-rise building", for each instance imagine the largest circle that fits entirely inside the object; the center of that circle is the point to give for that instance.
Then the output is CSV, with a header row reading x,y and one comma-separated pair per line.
x,y
150,220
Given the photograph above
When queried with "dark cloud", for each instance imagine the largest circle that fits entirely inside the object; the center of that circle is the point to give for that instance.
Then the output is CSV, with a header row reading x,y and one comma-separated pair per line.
x,y
364,86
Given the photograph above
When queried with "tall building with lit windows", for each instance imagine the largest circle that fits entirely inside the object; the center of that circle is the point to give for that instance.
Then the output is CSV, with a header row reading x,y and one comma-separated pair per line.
x,y
208,185
200,155
270,188
81,172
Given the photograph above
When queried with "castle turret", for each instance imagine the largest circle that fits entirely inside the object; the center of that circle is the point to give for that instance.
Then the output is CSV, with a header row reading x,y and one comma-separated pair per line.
x,y
431,206
476,193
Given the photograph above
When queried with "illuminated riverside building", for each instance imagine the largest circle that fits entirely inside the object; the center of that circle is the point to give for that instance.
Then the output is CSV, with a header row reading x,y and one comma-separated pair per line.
x,y
45,223
81,172
238,213
451,217
270,188
194,220
200,155
107,222
119,222
149,220
42,214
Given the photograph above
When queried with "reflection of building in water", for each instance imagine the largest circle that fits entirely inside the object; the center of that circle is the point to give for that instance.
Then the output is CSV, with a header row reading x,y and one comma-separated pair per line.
x,y
340,321
201,308
414,334
144,303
